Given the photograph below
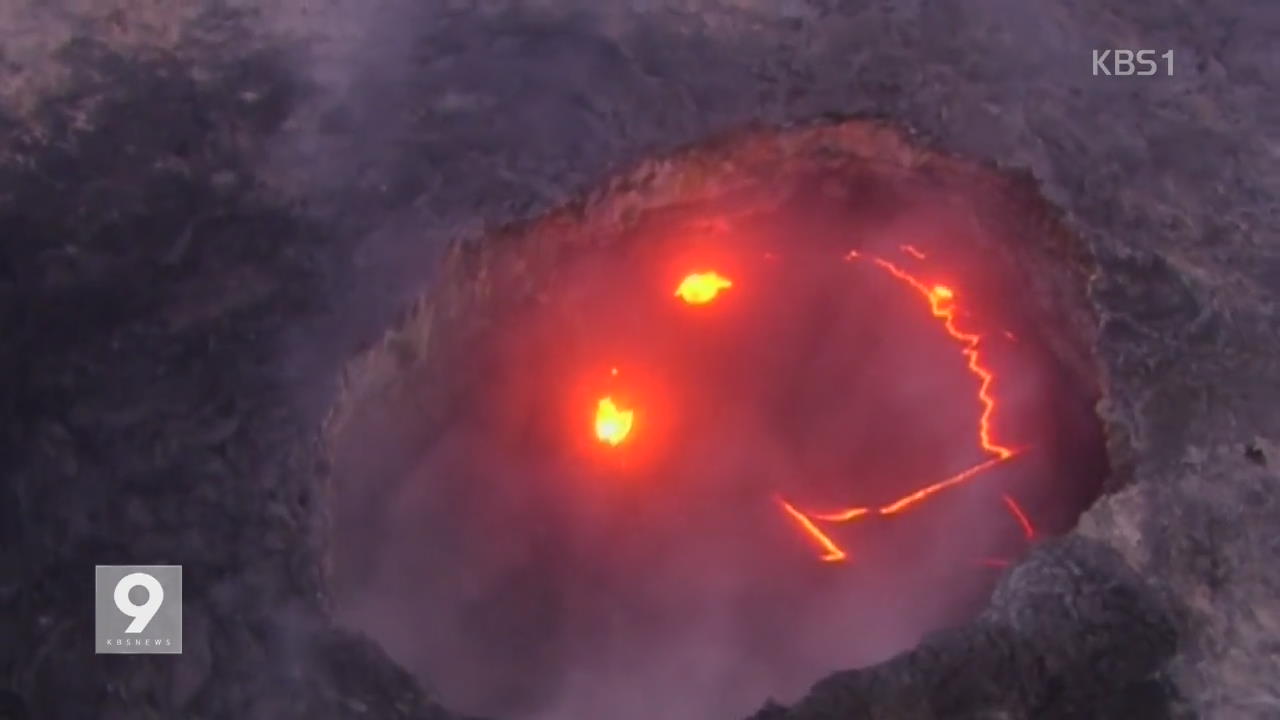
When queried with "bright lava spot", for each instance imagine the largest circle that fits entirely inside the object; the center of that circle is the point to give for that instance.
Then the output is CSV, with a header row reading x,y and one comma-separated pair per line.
x,y
613,424
701,288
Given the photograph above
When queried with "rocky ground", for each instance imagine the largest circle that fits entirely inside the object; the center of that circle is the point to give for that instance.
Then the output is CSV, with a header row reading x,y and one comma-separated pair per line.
x,y
206,209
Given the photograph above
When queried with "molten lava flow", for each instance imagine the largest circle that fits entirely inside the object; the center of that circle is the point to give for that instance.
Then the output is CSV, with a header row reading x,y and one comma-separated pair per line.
x,y
941,299
702,287
613,424
907,501
942,303
841,515
1028,530
830,551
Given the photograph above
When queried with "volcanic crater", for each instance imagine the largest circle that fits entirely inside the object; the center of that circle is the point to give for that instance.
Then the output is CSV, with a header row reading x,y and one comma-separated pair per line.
x,y
565,473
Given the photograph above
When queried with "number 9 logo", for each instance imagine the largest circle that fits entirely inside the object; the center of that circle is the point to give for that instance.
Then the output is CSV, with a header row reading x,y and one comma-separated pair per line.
x,y
141,614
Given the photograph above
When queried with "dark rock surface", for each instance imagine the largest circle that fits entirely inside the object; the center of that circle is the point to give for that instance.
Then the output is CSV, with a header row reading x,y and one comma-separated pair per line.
x,y
199,224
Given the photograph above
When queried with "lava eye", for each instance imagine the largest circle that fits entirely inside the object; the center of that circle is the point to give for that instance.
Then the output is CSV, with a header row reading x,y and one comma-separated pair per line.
x,y
700,288
613,423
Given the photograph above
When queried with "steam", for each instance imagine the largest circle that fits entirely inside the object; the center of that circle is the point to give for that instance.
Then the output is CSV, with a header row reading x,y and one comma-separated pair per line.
x,y
523,572
485,540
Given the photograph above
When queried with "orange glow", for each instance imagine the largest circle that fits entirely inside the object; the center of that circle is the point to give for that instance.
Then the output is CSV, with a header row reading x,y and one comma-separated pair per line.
x,y
702,287
907,501
830,551
613,424
841,516
942,304
1028,530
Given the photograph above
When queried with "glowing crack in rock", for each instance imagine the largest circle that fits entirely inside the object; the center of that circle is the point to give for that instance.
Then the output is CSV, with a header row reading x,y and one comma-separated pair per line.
x,y
942,304
701,288
842,516
1028,531
830,551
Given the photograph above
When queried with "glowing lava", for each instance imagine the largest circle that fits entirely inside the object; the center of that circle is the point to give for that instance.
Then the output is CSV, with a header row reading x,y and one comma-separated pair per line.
x,y
1028,531
701,288
842,515
613,424
907,501
942,304
830,551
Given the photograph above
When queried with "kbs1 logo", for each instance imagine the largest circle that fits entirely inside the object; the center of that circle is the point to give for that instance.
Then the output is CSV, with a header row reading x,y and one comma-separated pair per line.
x,y
1123,63
138,609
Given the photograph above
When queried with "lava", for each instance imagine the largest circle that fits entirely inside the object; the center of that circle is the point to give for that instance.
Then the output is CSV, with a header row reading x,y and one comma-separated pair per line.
x,y
701,288
907,501
913,252
942,304
1028,530
842,515
613,424
830,551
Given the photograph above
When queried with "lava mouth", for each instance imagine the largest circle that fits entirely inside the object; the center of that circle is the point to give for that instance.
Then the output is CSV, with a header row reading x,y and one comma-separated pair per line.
x,y
702,288
764,434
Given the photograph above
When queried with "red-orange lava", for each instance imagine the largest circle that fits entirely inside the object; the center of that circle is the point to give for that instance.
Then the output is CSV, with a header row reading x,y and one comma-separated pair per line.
x,y
830,551
700,288
1028,531
613,423
942,304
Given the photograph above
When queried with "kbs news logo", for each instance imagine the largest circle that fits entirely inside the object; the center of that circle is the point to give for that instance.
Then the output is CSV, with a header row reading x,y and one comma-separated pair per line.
x,y
139,609
1132,62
